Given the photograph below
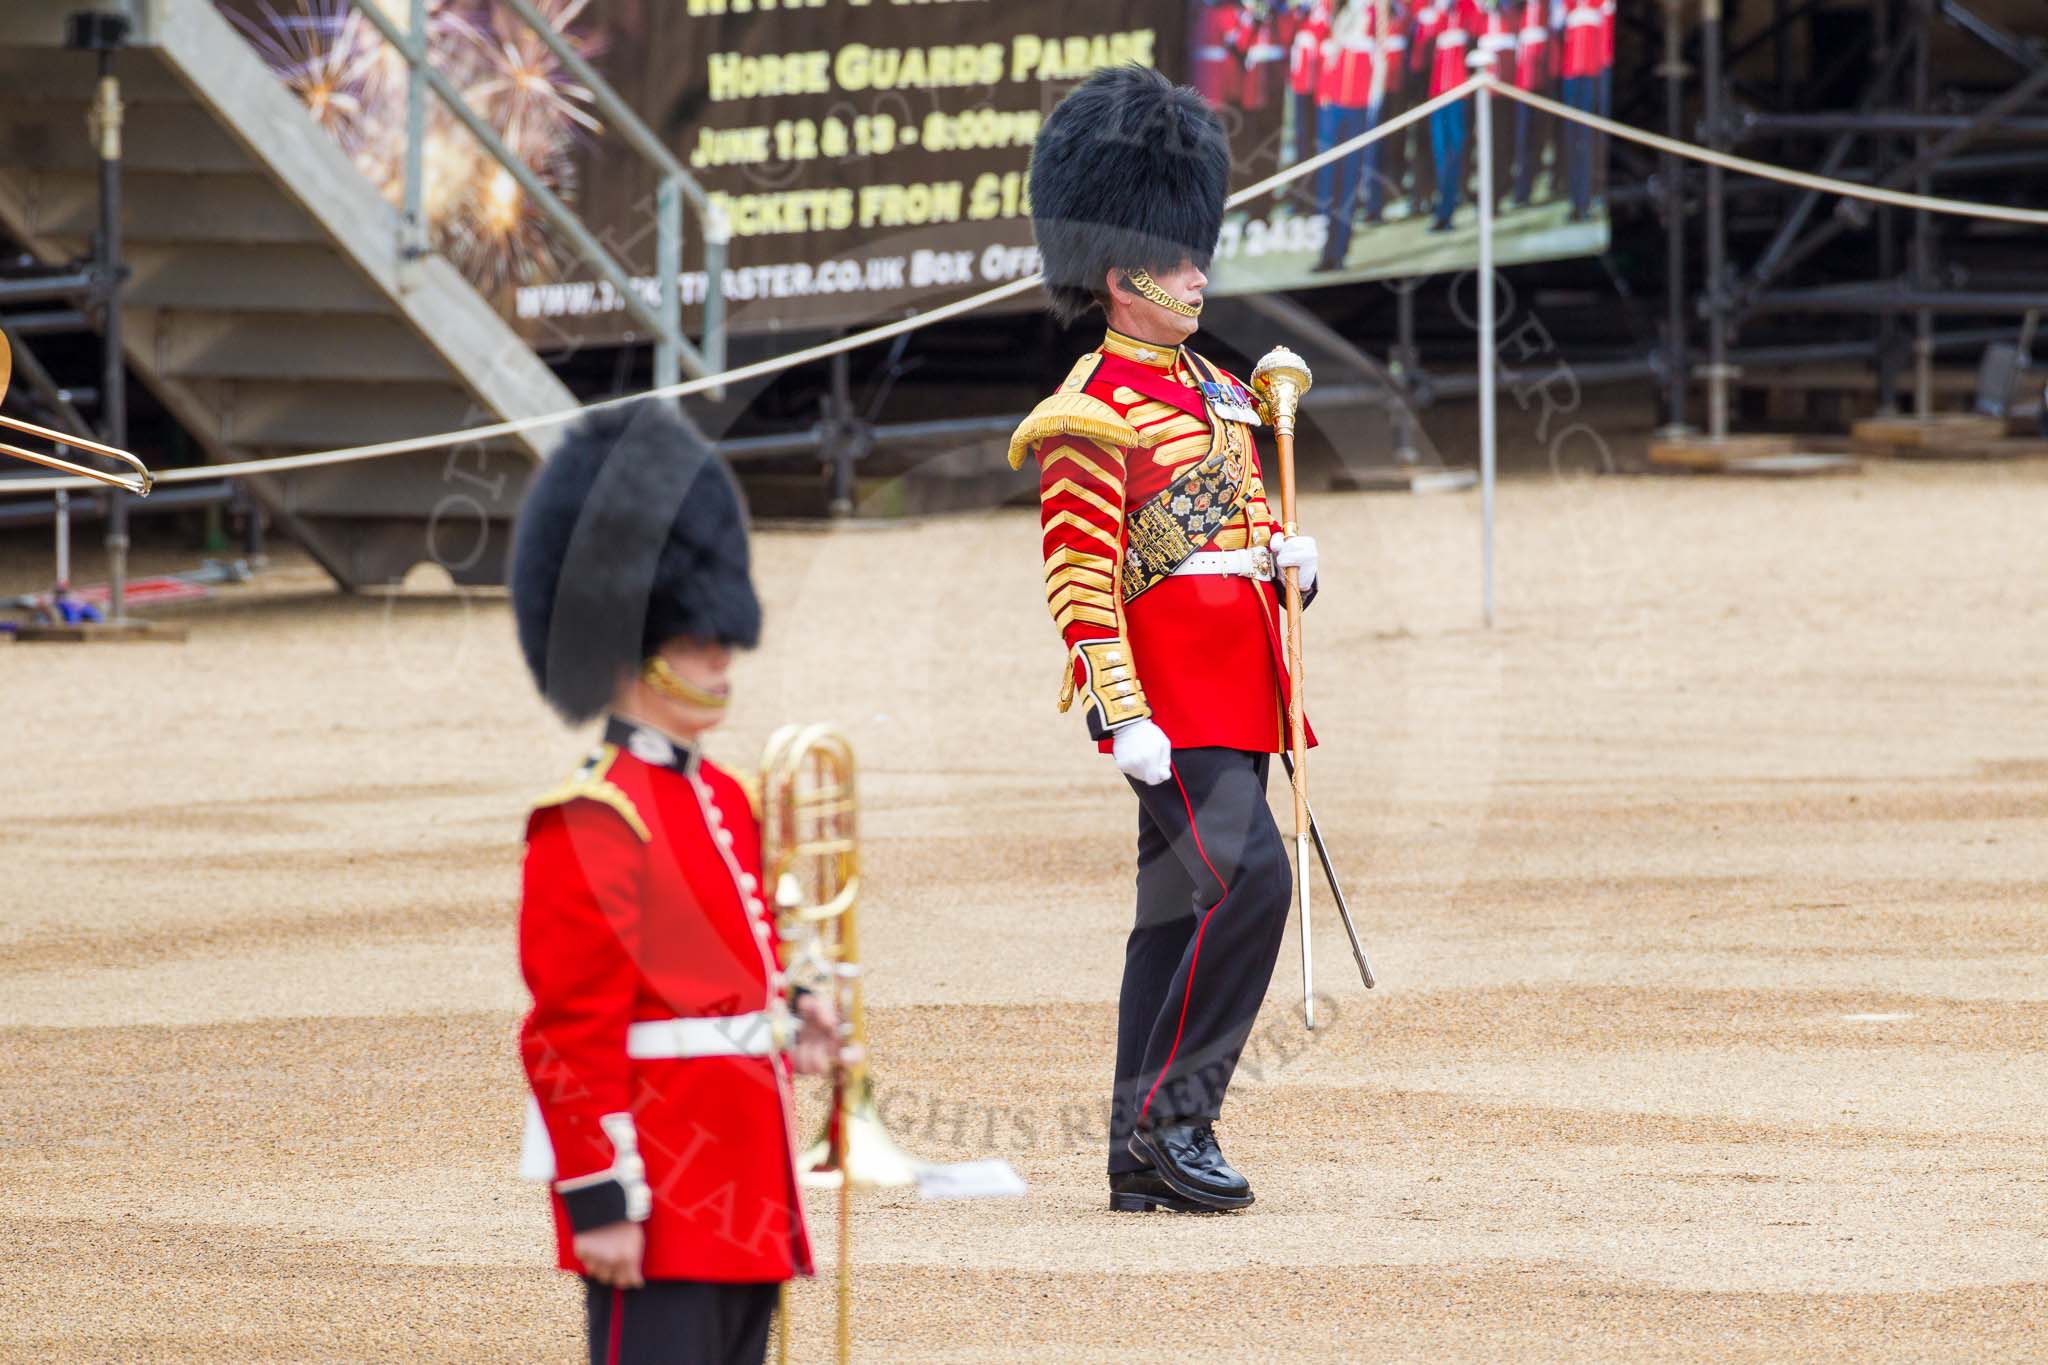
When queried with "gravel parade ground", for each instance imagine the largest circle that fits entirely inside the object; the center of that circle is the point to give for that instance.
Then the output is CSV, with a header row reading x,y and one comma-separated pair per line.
x,y
1708,893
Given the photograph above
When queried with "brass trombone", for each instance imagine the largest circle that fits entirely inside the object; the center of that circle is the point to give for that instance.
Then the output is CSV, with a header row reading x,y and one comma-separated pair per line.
x,y
138,483
810,857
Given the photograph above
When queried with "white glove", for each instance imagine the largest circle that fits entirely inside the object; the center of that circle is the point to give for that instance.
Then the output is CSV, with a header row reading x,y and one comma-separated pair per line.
x,y
1295,552
1143,751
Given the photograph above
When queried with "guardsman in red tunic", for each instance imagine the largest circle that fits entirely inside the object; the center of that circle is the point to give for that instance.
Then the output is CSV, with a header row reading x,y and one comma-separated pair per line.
x,y
1499,42
1584,59
659,1045
1395,100
1217,70
1309,25
1603,94
1424,23
1255,38
1532,73
1159,553
1450,128
1347,110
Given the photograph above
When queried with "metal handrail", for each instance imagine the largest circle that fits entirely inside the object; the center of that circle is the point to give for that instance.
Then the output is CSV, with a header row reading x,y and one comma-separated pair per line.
x,y
673,352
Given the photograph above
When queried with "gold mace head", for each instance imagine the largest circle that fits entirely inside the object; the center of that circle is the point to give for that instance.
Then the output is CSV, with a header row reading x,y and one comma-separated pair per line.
x,y
1280,379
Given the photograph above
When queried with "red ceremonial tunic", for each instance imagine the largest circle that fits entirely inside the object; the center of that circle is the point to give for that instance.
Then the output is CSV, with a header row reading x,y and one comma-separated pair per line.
x,y
1394,53
641,901
1422,30
1305,49
1215,70
1206,650
1255,38
1585,46
1349,55
1459,25
1496,37
1532,48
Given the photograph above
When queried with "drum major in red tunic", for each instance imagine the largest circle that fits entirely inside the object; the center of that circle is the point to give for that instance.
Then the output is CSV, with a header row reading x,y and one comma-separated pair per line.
x,y
1200,655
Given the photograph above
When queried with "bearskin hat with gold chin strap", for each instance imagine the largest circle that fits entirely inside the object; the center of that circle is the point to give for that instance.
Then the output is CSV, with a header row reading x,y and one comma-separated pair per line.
x,y
1129,172
633,534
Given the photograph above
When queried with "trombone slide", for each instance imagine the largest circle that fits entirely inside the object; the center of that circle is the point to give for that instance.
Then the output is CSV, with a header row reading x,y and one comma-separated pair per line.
x,y
138,483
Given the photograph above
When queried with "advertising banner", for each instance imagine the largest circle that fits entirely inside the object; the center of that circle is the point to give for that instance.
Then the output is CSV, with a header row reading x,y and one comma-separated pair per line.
x,y
871,156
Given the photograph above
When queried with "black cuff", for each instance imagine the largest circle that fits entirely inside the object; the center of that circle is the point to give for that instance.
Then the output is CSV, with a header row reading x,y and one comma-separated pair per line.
x,y
593,1206
1097,731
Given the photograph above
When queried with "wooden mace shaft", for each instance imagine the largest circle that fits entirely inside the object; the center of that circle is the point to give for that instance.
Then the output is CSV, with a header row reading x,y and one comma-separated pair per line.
x,y
1297,729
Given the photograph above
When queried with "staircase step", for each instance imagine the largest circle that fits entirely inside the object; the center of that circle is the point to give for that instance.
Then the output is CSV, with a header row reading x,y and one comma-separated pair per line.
x,y
264,415
481,484
164,206
212,345
252,277
165,136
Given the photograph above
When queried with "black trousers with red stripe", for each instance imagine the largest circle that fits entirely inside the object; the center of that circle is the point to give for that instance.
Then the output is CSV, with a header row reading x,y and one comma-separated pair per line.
x,y
679,1322
1213,892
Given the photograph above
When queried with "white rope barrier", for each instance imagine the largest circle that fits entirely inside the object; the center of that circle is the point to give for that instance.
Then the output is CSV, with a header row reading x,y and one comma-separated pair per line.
x,y
285,464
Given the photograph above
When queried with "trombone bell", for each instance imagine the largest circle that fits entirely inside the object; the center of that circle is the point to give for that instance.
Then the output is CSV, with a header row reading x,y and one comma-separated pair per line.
x,y
855,1145
138,483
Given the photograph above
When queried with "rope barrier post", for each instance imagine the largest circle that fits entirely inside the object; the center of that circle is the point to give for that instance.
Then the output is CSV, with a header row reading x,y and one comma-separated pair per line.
x,y
63,518
1487,396
1405,369
840,441
1716,226
105,122
1676,377
1923,222
1883,151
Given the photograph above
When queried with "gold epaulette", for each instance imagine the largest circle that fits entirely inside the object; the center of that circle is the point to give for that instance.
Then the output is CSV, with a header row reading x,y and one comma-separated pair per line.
x,y
1070,414
589,783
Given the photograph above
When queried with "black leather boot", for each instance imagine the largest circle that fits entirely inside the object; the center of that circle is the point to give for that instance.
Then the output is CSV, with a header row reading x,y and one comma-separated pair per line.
x,y
1187,1159
1143,1191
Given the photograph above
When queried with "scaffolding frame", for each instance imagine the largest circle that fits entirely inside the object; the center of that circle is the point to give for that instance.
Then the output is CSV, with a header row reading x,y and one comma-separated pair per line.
x,y
1908,133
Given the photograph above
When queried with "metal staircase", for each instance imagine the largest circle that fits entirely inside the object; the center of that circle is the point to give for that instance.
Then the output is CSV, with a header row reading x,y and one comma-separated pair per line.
x,y
271,306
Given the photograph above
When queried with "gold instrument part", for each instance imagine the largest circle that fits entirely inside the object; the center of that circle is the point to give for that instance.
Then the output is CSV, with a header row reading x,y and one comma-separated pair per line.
x,y
138,483
810,862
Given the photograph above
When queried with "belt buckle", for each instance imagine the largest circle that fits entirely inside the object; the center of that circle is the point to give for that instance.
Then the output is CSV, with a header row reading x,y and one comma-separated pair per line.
x,y
1262,564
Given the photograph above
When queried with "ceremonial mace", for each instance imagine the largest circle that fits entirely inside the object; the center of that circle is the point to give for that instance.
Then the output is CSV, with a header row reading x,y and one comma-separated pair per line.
x,y
1281,378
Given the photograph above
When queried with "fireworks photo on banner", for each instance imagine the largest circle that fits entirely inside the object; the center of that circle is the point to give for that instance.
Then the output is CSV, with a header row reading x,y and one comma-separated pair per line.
x,y
354,85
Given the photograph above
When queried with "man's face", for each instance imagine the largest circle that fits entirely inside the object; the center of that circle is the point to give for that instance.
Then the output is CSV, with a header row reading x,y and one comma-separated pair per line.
x,y
1152,321
702,667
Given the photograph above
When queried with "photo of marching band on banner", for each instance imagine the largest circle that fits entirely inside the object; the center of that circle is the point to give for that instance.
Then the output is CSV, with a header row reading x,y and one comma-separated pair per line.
x,y
1300,77
868,166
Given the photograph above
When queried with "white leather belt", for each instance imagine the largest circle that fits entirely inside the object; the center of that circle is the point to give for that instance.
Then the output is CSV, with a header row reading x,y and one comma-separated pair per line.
x,y
1256,562
758,1034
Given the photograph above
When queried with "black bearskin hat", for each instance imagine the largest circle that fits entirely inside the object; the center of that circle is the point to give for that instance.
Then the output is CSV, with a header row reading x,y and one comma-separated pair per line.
x,y
1128,173
633,533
